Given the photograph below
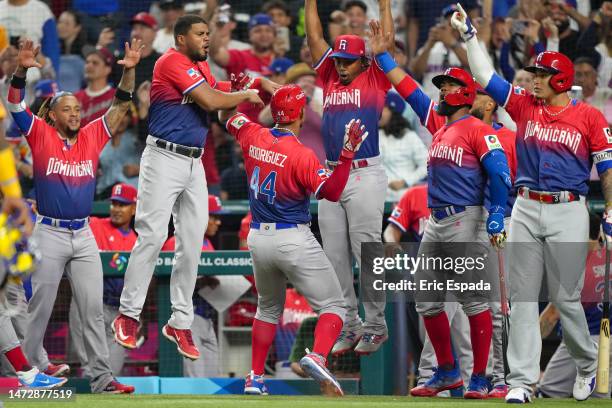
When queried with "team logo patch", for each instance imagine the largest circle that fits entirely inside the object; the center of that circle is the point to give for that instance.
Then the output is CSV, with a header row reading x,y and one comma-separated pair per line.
x,y
193,73
608,134
519,91
323,173
238,122
493,142
396,212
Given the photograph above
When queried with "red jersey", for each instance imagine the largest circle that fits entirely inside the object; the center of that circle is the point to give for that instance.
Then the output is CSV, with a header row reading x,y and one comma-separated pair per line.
x,y
170,244
65,175
245,227
282,172
411,213
110,238
94,104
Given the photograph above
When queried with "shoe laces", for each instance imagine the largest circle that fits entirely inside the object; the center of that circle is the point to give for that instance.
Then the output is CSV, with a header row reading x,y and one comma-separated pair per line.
x,y
319,358
584,381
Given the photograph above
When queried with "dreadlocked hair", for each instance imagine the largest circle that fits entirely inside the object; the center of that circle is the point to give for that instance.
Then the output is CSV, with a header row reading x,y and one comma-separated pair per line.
x,y
43,111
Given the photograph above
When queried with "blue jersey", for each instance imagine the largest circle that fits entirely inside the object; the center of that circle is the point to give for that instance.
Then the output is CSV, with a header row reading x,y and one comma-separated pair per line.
x,y
363,98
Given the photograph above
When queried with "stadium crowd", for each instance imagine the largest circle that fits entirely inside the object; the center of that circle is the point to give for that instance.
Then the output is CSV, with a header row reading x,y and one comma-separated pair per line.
x,y
81,42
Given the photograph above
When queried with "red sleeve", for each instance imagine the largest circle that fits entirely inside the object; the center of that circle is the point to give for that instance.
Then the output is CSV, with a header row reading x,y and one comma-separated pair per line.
x,y
434,121
236,61
516,103
484,139
224,86
600,140
239,126
378,76
182,73
98,133
309,172
36,135
325,68
401,214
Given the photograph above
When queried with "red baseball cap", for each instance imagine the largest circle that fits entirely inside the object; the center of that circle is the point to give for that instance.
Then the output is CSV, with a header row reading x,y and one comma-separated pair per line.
x,y
144,18
349,46
214,205
124,193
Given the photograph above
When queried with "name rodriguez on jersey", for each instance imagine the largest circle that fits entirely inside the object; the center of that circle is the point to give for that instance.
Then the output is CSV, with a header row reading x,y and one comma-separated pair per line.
x,y
267,156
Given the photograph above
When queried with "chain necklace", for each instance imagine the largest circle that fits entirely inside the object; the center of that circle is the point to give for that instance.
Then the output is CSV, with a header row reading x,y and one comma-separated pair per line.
x,y
558,113
285,129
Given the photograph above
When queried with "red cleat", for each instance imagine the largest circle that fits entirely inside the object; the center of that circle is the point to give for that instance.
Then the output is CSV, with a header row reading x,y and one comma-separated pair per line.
x,y
57,370
125,330
499,391
183,340
115,387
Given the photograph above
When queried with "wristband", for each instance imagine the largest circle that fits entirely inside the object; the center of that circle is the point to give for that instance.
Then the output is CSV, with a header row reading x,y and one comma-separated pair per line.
x,y
386,62
18,82
123,95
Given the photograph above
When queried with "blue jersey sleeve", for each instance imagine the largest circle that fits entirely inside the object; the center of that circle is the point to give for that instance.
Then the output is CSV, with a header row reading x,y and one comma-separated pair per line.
x,y
420,103
496,166
50,43
499,89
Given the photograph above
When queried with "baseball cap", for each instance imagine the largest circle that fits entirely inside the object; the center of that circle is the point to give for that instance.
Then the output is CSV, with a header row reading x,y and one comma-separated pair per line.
x,y
348,46
395,102
124,193
260,19
103,53
214,205
297,71
144,18
170,4
280,65
45,88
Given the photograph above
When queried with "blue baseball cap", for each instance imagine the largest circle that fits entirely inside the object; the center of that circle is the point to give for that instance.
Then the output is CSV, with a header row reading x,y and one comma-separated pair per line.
x,y
260,19
280,65
45,88
395,102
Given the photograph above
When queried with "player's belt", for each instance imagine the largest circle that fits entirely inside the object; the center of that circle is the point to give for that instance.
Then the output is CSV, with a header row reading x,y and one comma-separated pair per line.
x,y
267,225
68,224
441,213
193,152
356,164
548,197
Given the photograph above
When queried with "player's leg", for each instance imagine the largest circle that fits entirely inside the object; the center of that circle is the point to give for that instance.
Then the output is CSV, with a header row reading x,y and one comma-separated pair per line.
x,y
364,201
481,331
76,336
210,347
565,257
308,269
116,352
15,296
333,225
190,214
559,375
525,270
161,179
56,246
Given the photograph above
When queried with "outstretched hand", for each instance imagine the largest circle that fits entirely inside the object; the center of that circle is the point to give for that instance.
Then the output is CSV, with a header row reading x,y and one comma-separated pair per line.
x,y
27,55
379,41
461,22
133,53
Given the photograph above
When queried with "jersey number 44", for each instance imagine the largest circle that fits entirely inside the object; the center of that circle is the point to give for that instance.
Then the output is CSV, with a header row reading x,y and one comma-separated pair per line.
x,y
266,189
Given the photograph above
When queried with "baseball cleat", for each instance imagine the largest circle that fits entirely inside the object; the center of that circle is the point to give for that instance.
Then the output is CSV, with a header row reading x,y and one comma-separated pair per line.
x,y
370,343
58,370
442,380
518,396
183,340
125,331
313,364
115,387
254,385
583,387
499,391
346,341
478,388
35,379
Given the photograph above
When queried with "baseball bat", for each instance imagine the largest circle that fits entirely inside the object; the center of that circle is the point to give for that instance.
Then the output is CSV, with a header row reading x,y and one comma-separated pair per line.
x,y
504,309
603,353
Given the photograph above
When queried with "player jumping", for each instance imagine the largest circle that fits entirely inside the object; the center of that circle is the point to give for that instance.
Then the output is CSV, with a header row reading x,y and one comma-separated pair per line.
x,y
354,87
558,140
283,174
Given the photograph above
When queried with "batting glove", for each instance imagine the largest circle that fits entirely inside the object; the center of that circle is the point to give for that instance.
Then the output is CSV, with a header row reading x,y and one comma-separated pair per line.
x,y
495,227
354,136
606,225
242,82
461,22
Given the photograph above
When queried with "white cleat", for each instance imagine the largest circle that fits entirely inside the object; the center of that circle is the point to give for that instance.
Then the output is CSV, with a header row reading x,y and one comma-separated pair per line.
x,y
583,387
347,340
518,396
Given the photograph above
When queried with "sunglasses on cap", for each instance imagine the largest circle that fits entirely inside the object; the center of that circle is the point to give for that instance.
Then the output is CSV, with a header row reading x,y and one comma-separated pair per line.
x,y
57,97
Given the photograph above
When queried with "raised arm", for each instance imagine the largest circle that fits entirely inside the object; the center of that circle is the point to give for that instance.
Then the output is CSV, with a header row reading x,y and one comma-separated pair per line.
x,y
26,59
123,95
314,31
386,21
219,38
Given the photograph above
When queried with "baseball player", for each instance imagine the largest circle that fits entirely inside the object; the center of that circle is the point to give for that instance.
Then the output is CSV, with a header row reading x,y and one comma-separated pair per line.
x,y
12,204
282,175
170,181
483,108
354,86
558,140
65,160
463,153
114,233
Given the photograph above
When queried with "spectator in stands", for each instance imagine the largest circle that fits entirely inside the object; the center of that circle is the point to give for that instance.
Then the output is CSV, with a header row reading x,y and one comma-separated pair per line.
x,y
598,38
171,10
352,19
280,13
524,79
278,69
203,327
586,77
567,36
120,159
254,62
71,33
404,155
114,233
32,19
98,14
98,95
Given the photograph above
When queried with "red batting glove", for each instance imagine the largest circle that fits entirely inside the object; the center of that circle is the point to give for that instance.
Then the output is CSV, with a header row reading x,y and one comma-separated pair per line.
x,y
354,136
242,82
